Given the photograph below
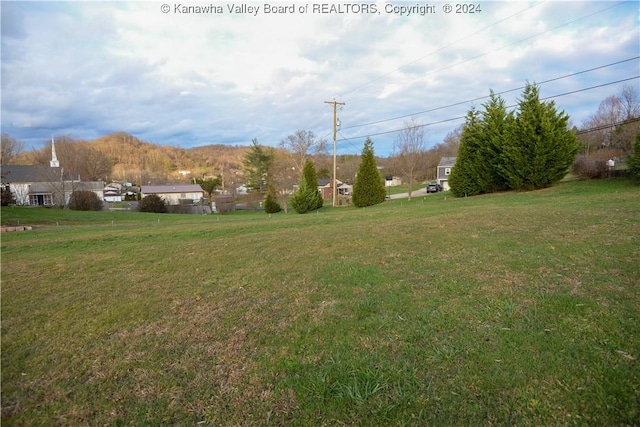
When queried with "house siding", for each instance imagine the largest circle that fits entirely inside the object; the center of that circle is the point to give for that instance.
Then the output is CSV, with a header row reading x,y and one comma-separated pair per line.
x,y
175,194
444,170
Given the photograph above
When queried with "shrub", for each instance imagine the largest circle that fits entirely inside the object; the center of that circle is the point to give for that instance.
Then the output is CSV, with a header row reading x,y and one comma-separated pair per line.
x,y
7,197
633,161
589,167
595,165
85,201
153,203
305,198
270,204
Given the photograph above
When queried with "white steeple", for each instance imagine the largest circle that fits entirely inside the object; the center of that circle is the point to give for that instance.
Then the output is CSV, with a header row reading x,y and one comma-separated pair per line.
x,y
54,163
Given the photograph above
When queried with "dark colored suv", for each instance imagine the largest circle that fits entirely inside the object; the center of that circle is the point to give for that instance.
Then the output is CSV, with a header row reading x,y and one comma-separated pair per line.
x,y
434,188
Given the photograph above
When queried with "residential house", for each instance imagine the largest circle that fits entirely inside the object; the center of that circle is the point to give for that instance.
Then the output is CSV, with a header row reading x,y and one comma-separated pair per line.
x,y
326,185
39,185
180,194
444,170
114,192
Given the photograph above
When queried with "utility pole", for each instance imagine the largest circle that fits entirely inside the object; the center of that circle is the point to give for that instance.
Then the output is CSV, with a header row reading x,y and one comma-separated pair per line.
x,y
335,133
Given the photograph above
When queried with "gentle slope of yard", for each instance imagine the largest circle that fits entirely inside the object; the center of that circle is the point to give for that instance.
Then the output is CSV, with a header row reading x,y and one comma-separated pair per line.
x,y
515,308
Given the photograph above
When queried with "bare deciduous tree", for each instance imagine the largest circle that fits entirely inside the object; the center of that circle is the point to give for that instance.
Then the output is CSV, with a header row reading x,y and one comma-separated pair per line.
x,y
10,148
300,145
614,124
409,152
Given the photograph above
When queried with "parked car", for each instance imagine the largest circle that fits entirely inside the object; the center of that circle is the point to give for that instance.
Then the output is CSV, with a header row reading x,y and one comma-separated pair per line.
x,y
434,188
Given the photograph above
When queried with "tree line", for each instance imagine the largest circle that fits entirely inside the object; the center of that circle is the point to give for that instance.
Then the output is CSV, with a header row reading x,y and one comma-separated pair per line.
x,y
534,146
531,147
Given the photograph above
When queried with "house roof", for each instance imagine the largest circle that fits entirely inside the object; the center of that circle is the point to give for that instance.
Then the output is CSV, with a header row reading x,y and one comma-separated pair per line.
x,y
447,161
328,182
30,173
164,189
48,187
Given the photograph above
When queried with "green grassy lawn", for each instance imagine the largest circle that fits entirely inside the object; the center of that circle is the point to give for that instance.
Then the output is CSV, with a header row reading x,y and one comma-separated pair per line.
x,y
505,309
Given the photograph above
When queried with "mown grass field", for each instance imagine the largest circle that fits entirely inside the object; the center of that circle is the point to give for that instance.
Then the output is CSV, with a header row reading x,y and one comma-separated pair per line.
x,y
506,309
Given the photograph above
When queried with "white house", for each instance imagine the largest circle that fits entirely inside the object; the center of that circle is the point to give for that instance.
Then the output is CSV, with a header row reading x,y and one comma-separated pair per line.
x,y
179,194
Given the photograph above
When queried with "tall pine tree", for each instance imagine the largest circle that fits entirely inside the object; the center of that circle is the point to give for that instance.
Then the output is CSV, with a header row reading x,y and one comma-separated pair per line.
x,y
490,143
462,181
539,148
257,164
307,197
478,165
310,175
368,189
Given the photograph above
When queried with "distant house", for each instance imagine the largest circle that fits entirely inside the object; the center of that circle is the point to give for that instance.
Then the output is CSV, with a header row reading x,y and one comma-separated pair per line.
x,y
242,190
113,193
444,170
325,186
39,185
392,180
175,194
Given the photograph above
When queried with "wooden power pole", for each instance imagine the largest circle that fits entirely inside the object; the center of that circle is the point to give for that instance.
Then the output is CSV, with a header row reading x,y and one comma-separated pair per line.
x,y
335,133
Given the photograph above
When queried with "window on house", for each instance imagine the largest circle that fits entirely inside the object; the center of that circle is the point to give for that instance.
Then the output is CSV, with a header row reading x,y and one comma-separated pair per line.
x,y
40,200
183,195
447,171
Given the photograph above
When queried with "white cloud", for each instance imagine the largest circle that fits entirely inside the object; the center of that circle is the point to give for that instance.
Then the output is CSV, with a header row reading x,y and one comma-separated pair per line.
x,y
89,67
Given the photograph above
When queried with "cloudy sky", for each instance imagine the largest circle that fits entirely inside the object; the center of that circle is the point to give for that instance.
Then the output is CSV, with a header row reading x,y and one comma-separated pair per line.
x,y
170,75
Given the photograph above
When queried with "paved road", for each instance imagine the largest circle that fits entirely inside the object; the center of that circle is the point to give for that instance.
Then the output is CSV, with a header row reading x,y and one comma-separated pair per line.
x,y
418,192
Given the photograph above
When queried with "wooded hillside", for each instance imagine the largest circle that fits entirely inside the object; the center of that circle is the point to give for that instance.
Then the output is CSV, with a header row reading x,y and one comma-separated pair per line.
x,y
131,159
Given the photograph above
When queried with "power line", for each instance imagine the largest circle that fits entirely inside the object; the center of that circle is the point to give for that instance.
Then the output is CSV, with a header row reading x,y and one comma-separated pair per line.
x,y
479,56
516,42
487,96
608,126
510,106
441,48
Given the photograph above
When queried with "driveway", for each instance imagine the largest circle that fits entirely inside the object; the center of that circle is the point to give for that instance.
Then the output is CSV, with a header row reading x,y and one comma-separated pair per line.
x,y
417,192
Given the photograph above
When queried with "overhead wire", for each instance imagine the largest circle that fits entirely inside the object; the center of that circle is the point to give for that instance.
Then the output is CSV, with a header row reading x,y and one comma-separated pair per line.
x,y
492,51
487,96
441,48
510,106
476,57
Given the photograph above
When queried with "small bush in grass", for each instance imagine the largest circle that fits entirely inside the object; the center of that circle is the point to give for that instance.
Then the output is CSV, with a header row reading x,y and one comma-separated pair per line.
x,y
589,167
595,165
270,204
153,203
85,201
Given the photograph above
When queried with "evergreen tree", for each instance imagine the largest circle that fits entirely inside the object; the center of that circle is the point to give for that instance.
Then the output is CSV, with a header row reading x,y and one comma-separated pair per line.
x,y
478,163
304,200
270,204
633,161
311,178
307,197
462,180
368,189
539,148
257,164
209,185
490,139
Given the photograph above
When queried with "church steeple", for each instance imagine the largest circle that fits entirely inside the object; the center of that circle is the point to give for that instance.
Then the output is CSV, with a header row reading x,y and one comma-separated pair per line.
x,y
54,163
